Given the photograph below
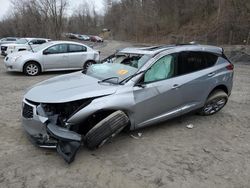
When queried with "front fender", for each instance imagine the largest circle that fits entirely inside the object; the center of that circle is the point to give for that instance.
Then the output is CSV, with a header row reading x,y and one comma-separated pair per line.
x,y
122,102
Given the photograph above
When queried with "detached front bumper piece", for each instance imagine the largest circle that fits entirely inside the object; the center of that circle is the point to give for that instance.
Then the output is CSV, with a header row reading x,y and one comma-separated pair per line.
x,y
69,142
44,133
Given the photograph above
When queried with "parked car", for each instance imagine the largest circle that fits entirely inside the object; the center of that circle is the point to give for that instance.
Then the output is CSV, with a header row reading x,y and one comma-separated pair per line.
x,y
133,88
8,40
52,56
72,36
96,39
83,37
22,45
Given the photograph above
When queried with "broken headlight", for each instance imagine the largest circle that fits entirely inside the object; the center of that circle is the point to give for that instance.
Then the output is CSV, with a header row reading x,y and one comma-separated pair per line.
x,y
65,110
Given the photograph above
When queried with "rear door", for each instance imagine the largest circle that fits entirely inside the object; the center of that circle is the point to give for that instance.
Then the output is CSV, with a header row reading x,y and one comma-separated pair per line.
x,y
195,73
56,57
77,56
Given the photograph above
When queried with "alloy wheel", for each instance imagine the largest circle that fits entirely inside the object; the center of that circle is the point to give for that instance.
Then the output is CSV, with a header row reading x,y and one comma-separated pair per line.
x,y
32,69
214,106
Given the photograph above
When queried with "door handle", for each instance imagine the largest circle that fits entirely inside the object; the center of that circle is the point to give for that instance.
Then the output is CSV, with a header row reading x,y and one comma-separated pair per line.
x,y
211,74
175,86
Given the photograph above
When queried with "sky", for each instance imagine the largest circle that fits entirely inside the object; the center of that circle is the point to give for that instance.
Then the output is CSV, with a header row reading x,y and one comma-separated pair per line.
x,y
73,4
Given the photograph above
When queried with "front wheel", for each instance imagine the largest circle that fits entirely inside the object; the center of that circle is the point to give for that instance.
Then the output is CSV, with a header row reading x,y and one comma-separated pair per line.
x,y
106,129
32,69
215,102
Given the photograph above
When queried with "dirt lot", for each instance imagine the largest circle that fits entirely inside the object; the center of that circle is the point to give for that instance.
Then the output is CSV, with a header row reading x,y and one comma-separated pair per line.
x,y
215,153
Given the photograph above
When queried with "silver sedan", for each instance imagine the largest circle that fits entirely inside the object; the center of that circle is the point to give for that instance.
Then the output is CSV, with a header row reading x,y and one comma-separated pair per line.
x,y
52,56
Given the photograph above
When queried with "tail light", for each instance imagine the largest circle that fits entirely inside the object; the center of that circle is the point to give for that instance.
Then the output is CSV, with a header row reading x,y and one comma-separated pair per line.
x,y
230,67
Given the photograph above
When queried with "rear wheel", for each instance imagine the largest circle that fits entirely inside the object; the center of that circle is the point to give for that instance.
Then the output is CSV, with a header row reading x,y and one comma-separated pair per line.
x,y
215,102
88,64
106,129
32,69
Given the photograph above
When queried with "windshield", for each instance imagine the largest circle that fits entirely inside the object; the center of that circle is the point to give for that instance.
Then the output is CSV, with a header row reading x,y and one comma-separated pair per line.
x,y
22,41
119,66
42,46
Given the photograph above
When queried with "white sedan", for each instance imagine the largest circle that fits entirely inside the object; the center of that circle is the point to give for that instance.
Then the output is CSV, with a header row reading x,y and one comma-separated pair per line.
x,y
52,56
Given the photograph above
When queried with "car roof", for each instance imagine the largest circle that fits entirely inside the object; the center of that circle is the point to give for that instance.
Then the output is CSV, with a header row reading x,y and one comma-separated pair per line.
x,y
154,50
28,38
66,42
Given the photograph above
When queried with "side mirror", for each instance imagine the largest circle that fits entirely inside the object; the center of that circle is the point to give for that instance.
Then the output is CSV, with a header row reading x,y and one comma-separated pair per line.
x,y
141,85
45,52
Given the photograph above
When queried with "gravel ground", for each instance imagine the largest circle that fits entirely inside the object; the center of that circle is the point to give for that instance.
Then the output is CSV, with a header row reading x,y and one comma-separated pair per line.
x,y
215,153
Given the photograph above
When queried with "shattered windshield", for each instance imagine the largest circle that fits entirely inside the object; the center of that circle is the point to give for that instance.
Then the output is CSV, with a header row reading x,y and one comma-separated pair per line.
x,y
119,66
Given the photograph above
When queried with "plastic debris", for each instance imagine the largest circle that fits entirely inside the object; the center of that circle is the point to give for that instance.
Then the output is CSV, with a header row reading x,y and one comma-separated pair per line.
x,y
137,137
190,126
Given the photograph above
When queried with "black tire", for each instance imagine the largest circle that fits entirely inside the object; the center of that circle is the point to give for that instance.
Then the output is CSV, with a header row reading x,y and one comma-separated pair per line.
x,y
32,69
106,129
215,102
88,64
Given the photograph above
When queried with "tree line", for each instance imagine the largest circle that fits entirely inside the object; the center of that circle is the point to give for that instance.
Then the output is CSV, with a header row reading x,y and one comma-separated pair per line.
x,y
156,21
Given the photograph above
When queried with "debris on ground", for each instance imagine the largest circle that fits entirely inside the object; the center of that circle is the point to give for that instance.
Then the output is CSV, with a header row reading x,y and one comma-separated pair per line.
x,y
137,137
190,126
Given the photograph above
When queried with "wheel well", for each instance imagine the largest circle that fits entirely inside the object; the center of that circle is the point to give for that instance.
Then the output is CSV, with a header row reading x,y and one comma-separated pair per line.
x,y
84,127
22,49
32,62
220,87
90,60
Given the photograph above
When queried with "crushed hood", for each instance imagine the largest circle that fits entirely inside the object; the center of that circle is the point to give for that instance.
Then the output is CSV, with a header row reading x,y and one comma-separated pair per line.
x,y
69,87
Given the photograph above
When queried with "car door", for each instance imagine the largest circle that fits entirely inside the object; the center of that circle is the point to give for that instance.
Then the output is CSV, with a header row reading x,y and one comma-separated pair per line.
x,y
56,57
195,74
156,96
77,56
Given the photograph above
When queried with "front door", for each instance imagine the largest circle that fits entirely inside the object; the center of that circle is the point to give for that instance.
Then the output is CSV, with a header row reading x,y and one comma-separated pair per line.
x,y
56,57
157,98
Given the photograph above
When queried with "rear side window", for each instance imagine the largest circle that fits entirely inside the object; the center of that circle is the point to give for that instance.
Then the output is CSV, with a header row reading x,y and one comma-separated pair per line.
x,y
77,48
189,62
57,49
11,39
41,41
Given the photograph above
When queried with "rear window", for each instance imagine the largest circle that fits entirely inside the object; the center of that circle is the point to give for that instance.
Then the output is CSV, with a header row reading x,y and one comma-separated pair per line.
x,y
189,62
77,48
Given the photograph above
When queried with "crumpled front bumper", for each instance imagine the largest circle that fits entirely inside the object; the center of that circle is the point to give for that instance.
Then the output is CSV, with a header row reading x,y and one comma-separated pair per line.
x,y
37,133
44,133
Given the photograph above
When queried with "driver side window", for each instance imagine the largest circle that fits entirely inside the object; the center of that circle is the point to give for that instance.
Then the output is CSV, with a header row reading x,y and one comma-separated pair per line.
x,y
163,68
57,49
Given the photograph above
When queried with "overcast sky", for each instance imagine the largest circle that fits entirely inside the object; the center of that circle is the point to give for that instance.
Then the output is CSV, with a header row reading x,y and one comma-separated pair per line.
x,y
73,4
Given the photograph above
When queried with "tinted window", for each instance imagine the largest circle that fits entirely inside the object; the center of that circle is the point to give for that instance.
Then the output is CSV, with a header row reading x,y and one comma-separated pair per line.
x,y
77,48
11,39
41,41
194,61
59,48
163,68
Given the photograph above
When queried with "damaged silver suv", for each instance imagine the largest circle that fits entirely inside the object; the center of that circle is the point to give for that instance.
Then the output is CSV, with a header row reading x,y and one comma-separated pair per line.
x,y
132,88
